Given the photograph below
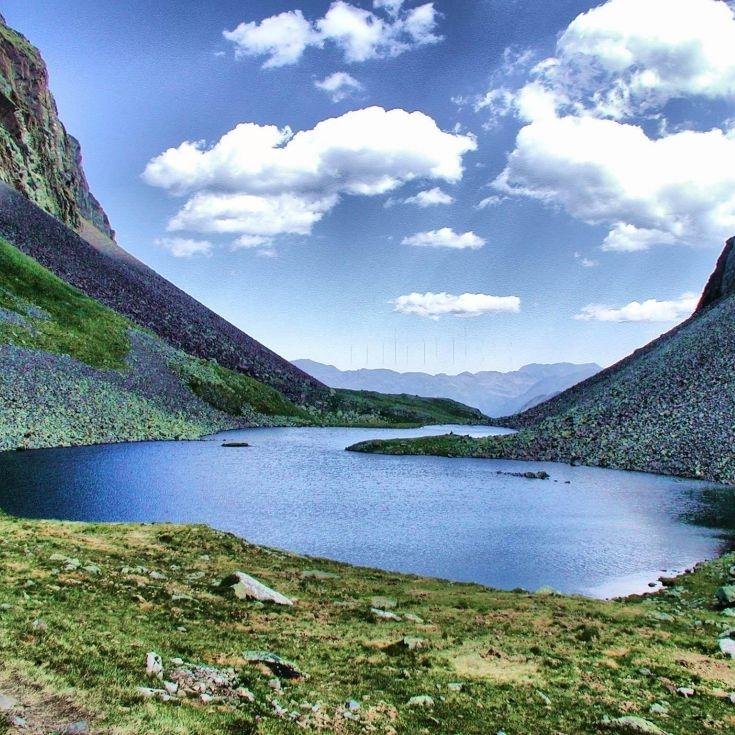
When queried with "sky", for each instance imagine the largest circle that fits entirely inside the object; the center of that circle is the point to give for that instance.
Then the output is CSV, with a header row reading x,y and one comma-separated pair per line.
x,y
444,186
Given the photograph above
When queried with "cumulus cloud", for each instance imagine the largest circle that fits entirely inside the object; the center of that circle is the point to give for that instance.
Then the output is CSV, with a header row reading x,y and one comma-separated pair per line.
x,y
282,38
642,53
583,146
430,198
181,247
338,86
264,180
359,34
650,310
679,188
446,237
435,305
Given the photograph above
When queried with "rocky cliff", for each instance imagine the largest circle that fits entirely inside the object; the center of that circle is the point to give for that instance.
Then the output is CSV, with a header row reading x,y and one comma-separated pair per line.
x,y
37,156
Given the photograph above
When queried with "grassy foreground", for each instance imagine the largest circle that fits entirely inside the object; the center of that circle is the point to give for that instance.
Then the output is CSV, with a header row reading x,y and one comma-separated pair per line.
x,y
81,606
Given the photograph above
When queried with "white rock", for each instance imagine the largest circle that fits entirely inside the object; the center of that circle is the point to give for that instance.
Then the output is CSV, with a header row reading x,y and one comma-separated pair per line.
x,y
154,665
727,646
246,587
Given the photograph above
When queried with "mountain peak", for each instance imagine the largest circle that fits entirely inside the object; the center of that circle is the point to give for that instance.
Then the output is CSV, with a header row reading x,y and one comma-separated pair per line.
x,y
722,281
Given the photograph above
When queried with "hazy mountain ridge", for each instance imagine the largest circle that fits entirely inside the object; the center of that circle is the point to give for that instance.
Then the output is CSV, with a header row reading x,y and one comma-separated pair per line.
x,y
494,393
667,408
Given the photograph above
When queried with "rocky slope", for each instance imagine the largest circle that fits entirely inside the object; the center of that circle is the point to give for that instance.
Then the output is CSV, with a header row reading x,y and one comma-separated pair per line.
x,y
48,211
37,156
667,408
494,393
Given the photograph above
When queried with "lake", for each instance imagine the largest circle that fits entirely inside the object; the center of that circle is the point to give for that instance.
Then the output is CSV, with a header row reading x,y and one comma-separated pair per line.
x,y
604,533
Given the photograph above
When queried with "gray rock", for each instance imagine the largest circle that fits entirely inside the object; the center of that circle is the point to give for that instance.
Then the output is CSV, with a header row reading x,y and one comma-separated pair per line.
x,y
421,700
727,646
454,686
246,587
726,595
413,618
685,692
77,728
632,725
409,643
7,703
279,666
352,705
246,694
384,614
659,708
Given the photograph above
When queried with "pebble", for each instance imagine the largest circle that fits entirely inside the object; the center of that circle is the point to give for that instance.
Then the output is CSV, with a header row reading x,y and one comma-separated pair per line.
x,y
77,728
421,700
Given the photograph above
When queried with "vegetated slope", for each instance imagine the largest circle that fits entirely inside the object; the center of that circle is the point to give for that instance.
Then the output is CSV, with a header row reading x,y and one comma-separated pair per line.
x,y
494,393
73,371
402,409
667,408
137,292
81,605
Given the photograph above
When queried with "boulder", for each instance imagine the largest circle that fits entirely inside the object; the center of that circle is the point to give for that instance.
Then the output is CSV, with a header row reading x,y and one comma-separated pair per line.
x,y
727,646
633,725
153,665
7,703
279,666
726,595
421,700
246,587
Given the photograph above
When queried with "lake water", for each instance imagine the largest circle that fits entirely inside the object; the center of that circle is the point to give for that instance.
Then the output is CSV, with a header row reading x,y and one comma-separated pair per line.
x,y
605,533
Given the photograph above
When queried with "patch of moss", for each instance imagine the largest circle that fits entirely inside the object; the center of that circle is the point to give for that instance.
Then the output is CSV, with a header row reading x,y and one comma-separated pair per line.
x,y
231,392
68,321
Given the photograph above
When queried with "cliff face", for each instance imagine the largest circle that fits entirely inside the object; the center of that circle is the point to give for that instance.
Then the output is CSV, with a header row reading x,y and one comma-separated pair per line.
x,y
37,156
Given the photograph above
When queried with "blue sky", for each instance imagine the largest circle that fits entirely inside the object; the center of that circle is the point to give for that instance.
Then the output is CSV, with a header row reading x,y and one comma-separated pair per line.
x,y
602,143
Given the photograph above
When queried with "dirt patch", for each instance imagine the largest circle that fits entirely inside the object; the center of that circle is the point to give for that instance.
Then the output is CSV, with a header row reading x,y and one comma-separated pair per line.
x,y
41,710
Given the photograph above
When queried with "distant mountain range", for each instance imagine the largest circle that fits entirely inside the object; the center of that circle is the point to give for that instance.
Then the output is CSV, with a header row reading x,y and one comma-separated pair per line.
x,y
494,393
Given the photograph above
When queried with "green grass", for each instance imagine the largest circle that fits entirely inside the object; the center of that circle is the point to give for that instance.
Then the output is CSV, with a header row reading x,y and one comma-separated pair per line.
x,y
512,446
73,324
379,409
231,392
73,642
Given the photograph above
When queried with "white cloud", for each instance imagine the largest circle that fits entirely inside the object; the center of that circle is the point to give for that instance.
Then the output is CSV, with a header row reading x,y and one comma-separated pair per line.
x,y
253,242
430,198
642,53
181,247
251,214
339,85
583,148
262,180
282,38
360,34
445,238
491,201
585,262
675,189
651,310
435,305
392,7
